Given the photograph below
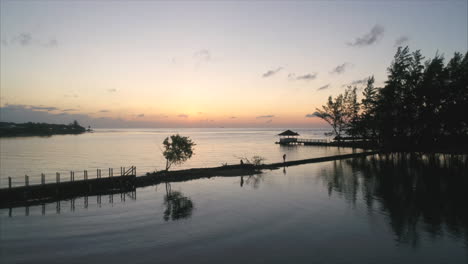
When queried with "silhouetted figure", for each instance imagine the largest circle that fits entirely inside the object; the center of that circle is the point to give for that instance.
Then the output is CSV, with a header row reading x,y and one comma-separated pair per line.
x,y
242,180
284,158
241,162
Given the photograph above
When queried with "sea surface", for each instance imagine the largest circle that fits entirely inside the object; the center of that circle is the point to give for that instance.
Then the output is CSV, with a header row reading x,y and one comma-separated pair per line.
x,y
378,209
115,148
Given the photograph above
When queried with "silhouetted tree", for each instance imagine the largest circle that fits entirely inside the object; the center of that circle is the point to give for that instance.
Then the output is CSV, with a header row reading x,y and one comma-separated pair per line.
x,y
367,125
423,106
340,112
177,149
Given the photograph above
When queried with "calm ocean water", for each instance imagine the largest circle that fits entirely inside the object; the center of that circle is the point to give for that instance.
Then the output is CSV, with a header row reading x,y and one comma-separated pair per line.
x,y
115,148
372,210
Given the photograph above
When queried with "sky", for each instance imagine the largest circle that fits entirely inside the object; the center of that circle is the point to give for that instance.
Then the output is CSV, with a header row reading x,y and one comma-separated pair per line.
x,y
206,64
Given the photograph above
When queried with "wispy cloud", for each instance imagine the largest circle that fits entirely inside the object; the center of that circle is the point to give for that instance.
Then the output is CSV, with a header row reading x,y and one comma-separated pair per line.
x,y
202,55
271,72
401,41
375,34
113,90
310,115
26,39
183,116
305,77
140,115
70,110
265,116
104,111
233,117
51,43
323,87
41,108
340,68
357,82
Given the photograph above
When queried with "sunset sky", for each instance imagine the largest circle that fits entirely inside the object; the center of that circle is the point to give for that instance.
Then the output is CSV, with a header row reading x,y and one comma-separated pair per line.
x,y
205,64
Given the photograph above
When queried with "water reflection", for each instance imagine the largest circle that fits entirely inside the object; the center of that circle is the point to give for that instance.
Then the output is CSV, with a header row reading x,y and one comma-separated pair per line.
x,y
60,205
418,193
177,205
252,180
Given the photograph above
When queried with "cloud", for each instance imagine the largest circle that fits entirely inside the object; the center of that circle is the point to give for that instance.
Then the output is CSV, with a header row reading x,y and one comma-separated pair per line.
x,y
183,116
233,117
264,116
24,39
323,87
375,34
40,108
202,55
340,68
271,72
51,43
141,115
104,111
357,82
113,90
27,39
269,121
401,41
305,77
69,110
314,114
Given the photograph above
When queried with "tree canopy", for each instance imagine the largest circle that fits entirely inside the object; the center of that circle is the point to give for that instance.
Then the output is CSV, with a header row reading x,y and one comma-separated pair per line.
x,y
177,149
422,106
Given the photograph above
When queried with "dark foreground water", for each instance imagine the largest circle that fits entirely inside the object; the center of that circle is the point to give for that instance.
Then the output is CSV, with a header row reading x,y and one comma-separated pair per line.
x,y
373,210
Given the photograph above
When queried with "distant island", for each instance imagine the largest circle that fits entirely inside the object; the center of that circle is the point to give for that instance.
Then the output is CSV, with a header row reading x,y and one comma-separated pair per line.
x,y
9,129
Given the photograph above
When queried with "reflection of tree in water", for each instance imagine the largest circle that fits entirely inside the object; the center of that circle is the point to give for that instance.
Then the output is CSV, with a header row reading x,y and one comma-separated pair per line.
x,y
177,205
418,193
253,180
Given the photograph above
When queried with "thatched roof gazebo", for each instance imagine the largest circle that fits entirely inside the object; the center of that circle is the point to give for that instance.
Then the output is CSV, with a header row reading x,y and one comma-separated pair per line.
x,y
288,137
288,133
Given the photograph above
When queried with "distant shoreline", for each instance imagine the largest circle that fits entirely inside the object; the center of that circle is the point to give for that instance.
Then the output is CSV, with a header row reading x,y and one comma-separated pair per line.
x,y
10,129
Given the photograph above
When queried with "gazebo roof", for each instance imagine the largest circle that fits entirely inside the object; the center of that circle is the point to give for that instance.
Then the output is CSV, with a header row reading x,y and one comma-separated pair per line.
x,y
288,133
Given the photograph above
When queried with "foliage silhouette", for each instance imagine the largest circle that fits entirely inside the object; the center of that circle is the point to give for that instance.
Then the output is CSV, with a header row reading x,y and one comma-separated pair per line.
x,y
422,106
177,149
8,129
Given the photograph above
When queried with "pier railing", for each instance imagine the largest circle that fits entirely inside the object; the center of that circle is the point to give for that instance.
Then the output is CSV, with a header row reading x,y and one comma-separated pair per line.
x,y
70,176
68,186
310,140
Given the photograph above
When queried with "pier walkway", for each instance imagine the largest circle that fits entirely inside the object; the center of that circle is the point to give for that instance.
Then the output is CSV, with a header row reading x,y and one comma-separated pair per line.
x,y
127,181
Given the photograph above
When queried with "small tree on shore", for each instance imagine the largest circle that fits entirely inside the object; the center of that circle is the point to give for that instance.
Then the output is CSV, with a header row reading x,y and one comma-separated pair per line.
x,y
177,149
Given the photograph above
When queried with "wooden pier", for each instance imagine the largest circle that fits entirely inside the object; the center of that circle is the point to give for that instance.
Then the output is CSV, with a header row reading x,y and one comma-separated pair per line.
x,y
61,190
127,181
304,141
